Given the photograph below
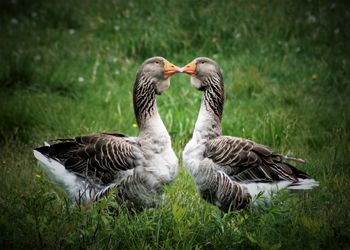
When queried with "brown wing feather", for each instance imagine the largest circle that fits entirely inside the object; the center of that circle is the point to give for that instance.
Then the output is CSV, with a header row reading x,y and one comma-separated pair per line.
x,y
98,155
248,160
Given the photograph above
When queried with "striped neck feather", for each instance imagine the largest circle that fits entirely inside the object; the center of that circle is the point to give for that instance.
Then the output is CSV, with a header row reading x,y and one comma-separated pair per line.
x,y
208,124
144,99
214,95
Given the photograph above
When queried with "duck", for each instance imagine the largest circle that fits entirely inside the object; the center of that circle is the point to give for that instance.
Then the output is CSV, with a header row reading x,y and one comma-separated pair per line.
x,y
232,172
136,169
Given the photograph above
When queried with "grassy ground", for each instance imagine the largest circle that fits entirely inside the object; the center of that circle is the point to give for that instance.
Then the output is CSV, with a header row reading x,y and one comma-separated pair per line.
x,y
68,69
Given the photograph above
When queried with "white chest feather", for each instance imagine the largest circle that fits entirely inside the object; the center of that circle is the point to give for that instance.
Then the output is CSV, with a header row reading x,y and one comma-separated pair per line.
x,y
193,154
161,162
167,163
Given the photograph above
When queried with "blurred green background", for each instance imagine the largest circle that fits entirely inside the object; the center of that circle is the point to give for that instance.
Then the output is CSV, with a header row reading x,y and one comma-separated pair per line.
x,y
67,68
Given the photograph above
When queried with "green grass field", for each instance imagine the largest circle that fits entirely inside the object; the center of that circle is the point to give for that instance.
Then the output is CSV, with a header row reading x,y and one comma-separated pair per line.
x,y
68,69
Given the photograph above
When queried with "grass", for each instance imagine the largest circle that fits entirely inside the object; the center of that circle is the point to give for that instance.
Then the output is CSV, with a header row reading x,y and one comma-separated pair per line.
x,y
68,69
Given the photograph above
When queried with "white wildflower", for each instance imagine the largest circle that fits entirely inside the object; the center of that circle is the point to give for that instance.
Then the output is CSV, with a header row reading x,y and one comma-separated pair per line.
x,y
81,79
71,31
37,58
116,28
14,21
311,19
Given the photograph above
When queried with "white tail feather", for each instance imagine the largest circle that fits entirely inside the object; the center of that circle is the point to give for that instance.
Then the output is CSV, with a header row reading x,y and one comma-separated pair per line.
x,y
266,189
304,184
77,188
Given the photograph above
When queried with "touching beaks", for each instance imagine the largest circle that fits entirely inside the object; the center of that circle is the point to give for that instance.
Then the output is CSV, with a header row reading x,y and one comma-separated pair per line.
x,y
190,68
170,69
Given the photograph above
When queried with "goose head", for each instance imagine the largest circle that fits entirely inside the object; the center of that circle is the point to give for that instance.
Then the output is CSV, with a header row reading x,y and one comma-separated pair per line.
x,y
201,70
158,71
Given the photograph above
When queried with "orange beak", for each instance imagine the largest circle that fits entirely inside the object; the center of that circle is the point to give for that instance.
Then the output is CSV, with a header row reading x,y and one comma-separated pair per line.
x,y
170,69
190,68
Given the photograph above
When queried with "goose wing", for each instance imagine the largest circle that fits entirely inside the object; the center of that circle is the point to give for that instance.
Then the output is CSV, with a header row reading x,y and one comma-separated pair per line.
x,y
100,155
245,160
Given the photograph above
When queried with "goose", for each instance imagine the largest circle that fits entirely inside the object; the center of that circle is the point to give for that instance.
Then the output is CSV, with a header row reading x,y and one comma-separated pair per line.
x,y
137,168
230,171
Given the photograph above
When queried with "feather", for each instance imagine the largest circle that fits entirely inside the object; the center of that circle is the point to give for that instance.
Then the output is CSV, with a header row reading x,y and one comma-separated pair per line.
x,y
98,156
250,161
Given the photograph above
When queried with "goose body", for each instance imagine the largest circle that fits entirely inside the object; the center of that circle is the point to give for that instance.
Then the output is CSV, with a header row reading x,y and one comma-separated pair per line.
x,y
229,171
137,168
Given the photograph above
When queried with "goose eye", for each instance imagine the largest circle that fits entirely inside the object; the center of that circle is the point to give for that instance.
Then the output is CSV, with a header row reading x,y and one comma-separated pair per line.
x,y
202,62
157,62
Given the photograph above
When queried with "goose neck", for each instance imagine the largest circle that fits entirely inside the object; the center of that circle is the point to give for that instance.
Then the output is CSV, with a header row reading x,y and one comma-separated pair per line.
x,y
208,124
145,108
